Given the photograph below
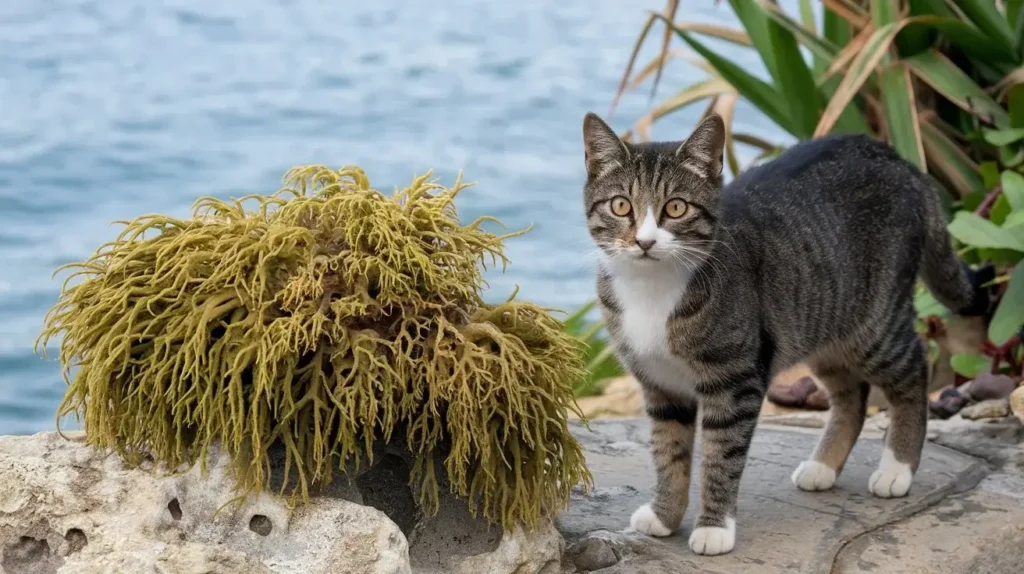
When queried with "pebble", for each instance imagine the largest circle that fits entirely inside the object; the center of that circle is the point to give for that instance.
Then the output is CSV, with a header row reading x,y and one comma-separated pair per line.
x,y
990,409
949,402
593,553
988,386
1017,403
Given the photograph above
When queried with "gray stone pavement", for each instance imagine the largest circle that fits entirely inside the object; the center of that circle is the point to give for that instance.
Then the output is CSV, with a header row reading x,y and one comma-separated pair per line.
x,y
964,513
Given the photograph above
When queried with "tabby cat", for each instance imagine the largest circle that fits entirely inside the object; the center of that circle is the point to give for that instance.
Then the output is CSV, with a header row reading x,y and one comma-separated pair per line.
x,y
709,292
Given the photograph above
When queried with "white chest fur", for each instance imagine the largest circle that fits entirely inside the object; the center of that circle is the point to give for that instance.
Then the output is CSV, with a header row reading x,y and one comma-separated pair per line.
x,y
647,296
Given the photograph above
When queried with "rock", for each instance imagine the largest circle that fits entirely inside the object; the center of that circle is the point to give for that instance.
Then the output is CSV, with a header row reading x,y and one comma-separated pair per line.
x,y
948,403
622,397
805,392
990,409
780,529
595,551
805,419
68,508
1017,403
988,386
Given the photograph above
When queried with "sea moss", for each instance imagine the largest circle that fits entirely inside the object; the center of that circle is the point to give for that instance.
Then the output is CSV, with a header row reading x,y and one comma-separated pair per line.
x,y
322,319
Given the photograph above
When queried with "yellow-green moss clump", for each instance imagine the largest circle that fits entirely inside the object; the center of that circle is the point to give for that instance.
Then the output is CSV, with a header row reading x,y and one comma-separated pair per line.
x,y
326,318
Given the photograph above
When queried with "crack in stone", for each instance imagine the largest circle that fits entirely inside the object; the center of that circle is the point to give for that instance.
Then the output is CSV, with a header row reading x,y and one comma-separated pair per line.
x,y
968,480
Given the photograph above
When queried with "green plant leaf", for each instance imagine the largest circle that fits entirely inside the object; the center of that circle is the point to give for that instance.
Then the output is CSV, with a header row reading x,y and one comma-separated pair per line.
x,y
580,313
836,30
852,120
755,22
969,365
765,97
972,200
794,78
929,7
1015,14
946,78
1014,94
901,113
988,19
859,71
1013,189
1000,210
1003,137
974,43
1009,315
884,12
976,231
807,17
949,160
820,47
925,304
1011,156
989,172
1015,219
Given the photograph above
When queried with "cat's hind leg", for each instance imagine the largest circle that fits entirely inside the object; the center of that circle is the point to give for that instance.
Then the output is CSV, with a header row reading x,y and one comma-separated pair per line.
x,y
848,395
673,421
900,370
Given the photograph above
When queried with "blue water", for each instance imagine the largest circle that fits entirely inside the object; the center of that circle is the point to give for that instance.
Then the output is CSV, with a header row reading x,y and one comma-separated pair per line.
x,y
111,109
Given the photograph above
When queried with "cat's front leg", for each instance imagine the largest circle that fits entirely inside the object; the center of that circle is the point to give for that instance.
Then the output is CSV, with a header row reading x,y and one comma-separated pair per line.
x,y
673,421
728,418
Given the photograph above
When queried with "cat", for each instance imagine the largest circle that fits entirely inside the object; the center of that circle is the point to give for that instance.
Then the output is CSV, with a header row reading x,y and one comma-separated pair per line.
x,y
708,292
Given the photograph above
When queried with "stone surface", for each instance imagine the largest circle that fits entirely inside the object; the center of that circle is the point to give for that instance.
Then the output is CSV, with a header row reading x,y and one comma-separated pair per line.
x,y
595,551
1017,403
67,508
782,529
621,398
988,386
990,409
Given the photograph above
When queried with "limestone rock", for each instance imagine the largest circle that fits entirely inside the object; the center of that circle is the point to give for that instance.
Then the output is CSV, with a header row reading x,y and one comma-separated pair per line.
x,y
67,508
520,552
990,409
988,386
622,397
597,550
1017,403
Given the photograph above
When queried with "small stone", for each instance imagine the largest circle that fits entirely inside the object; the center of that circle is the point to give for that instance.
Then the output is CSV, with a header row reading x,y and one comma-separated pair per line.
x,y
990,409
988,386
593,553
1017,403
948,403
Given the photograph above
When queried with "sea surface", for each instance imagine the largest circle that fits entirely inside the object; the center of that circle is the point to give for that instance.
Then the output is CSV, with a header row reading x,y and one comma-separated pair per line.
x,y
116,108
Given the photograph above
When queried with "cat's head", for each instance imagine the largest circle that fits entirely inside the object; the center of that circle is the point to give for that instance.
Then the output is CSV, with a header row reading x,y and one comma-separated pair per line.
x,y
653,203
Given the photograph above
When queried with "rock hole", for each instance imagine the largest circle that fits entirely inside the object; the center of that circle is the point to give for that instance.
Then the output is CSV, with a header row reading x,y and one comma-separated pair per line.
x,y
27,555
260,525
175,509
76,540
385,487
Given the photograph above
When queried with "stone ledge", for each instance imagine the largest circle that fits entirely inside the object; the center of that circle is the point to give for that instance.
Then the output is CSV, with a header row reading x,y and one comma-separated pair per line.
x,y
780,529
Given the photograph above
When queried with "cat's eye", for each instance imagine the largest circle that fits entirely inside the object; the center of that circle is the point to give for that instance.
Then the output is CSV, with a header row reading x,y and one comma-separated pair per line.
x,y
621,206
675,208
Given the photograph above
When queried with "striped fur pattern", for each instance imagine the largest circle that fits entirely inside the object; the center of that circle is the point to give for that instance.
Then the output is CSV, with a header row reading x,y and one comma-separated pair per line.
x,y
709,292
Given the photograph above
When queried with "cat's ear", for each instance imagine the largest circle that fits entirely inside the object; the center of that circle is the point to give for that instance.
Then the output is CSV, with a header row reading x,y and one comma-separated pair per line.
x,y
604,151
701,153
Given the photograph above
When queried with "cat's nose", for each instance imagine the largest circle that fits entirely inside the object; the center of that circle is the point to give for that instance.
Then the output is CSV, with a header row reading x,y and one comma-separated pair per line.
x,y
645,244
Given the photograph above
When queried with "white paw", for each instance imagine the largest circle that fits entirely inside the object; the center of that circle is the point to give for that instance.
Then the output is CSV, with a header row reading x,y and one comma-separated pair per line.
x,y
812,475
712,540
892,479
645,521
